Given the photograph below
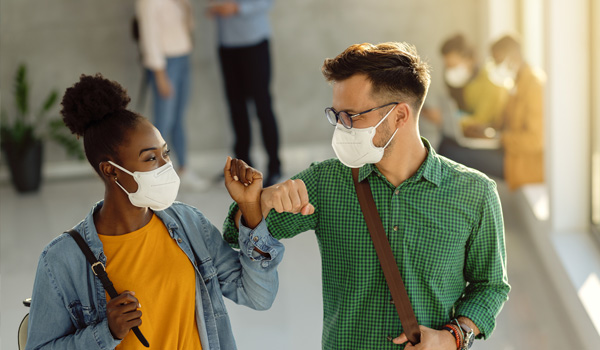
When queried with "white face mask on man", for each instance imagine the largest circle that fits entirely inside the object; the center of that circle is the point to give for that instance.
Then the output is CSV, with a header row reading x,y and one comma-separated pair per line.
x,y
354,147
157,189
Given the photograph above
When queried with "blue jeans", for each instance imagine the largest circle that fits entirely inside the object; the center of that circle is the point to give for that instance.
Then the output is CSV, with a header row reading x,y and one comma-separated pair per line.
x,y
169,113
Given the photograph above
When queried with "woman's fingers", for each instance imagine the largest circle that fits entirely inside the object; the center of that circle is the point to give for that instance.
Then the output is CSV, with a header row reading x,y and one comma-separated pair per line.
x,y
240,171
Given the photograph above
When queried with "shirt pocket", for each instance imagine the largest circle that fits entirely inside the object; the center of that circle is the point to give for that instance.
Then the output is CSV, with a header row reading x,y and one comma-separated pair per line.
x,y
435,254
208,273
82,315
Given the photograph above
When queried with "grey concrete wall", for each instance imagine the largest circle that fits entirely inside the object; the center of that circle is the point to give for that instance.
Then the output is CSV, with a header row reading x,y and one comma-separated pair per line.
x,y
61,39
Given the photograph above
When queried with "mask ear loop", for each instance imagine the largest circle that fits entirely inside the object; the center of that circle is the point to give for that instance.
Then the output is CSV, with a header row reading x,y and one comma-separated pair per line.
x,y
391,138
120,167
116,180
381,121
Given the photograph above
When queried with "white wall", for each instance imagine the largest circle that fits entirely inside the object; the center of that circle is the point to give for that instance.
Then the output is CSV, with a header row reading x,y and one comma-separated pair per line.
x,y
61,39
568,111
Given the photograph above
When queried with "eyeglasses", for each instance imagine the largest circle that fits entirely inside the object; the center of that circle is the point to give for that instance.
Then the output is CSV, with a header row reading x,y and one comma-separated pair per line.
x,y
333,116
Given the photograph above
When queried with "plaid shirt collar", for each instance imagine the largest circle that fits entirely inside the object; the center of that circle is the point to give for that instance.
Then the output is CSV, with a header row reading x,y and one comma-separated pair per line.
x,y
430,170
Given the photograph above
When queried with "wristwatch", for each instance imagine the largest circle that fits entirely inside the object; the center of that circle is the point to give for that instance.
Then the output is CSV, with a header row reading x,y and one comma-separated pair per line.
x,y
468,336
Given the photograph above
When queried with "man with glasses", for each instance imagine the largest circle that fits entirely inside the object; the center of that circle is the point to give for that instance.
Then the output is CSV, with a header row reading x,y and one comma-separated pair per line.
x,y
443,220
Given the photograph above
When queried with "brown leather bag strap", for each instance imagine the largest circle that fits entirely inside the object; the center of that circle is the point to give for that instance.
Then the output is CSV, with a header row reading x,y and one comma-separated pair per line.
x,y
386,259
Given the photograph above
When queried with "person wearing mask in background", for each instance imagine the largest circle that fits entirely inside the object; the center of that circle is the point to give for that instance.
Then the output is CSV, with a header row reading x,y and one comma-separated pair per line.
x,y
523,118
480,103
165,31
443,220
243,34
170,265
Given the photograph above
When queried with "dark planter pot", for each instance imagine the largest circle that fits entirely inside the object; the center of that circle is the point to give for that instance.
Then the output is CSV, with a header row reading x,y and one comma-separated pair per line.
x,y
25,163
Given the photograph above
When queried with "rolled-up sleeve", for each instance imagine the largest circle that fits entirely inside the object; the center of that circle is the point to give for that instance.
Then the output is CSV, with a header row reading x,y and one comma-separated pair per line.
x,y
261,239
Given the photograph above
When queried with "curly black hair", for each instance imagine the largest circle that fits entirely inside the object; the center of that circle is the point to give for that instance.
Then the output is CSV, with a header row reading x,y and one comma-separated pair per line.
x,y
96,108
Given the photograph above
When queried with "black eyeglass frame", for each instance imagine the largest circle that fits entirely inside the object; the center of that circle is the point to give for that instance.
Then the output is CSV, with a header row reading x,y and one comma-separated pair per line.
x,y
350,117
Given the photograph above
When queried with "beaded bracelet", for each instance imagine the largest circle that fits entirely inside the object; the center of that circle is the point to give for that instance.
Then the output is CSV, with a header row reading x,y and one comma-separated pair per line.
x,y
457,336
457,325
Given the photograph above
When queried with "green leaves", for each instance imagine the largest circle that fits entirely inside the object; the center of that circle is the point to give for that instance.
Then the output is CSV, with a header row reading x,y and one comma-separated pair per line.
x,y
24,128
22,91
50,101
61,135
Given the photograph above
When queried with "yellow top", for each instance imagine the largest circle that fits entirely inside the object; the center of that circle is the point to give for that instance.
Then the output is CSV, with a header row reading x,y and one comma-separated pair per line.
x,y
485,102
151,264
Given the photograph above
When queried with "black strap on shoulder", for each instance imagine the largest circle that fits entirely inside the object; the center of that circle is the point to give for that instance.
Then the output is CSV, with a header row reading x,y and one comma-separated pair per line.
x,y
99,270
97,266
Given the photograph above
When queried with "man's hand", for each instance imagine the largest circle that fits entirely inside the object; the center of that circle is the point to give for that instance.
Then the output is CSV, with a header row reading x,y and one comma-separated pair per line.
x,y
123,314
290,196
223,9
244,185
431,339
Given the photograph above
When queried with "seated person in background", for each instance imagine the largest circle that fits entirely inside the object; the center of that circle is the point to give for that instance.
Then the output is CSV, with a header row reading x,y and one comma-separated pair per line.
x,y
158,253
523,120
481,104
480,99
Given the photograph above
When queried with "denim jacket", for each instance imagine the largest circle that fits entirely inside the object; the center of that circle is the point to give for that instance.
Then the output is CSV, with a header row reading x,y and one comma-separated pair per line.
x,y
68,309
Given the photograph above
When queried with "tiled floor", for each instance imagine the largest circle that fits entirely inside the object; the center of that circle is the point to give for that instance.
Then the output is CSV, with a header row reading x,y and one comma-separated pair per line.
x,y
530,320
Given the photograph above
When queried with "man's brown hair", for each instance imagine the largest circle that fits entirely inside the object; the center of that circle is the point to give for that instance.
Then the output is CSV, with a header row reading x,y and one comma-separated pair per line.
x,y
394,69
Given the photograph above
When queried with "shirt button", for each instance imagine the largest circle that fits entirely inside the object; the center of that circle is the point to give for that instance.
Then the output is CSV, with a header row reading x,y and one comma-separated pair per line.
x,y
179,240
264,264
396,228
396,192
255,239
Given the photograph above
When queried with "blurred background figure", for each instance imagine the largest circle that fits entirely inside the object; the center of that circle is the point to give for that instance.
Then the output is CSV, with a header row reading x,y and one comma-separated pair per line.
x,y
243,34
523,119
476,109
165,30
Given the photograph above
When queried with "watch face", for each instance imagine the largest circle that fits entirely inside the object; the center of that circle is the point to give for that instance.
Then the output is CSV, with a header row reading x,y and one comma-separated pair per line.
x,y
470,341
469,338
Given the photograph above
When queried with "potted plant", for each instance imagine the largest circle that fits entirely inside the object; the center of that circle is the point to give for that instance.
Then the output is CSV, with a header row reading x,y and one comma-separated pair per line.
x,y
22,136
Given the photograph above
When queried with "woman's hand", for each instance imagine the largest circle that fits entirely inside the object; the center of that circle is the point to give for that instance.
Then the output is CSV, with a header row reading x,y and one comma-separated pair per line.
x,y
244,185
123,314
163,83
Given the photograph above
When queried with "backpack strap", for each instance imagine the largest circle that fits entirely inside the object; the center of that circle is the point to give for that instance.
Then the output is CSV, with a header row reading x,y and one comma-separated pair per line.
x,y
386,260
100,271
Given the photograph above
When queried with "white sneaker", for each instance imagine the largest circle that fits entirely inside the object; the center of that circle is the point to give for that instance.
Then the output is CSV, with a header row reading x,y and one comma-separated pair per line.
x,y
191,181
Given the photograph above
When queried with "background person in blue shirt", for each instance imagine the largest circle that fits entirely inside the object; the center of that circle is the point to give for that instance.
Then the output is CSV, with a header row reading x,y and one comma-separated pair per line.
x,y
243,33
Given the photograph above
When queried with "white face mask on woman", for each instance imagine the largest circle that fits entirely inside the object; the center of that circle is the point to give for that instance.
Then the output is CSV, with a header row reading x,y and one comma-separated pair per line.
x,y
457,76
354,147
157,189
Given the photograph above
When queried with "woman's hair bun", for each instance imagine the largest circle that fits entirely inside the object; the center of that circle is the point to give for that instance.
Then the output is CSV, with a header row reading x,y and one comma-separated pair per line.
x,y
90,100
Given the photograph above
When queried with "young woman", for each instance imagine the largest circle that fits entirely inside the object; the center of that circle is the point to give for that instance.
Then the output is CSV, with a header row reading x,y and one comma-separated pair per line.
x,y
169,264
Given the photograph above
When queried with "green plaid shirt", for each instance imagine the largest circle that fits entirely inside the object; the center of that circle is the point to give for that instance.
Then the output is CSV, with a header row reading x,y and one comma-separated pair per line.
x,y
446,230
